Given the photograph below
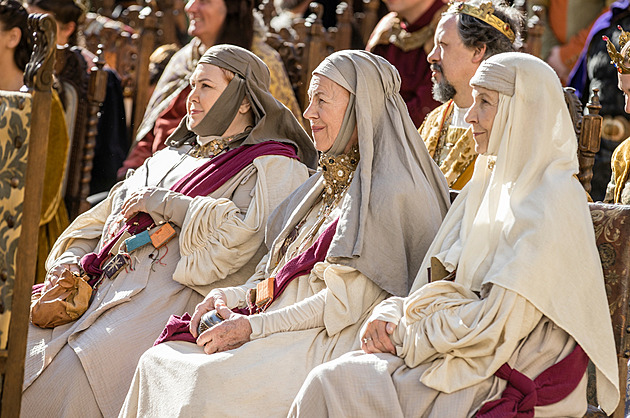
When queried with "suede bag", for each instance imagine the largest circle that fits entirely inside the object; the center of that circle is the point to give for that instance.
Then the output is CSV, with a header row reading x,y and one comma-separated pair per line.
x,y
65,302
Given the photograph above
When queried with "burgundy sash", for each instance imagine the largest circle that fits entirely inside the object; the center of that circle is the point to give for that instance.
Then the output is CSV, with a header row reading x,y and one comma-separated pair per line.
x,y
177,328
522,394
200,182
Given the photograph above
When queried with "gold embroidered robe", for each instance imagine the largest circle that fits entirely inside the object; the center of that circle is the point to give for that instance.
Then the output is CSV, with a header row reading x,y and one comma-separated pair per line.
x,y
456,163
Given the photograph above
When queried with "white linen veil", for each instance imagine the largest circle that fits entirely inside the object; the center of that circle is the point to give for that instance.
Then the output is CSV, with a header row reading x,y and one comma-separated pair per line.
x,y
525,224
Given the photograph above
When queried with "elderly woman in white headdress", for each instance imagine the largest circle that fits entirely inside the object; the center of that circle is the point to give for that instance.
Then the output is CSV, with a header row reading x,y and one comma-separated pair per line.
x,y
344,241
502,317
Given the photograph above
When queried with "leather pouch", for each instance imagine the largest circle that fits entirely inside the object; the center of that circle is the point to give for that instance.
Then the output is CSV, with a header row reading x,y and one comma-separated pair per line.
x,y
65,302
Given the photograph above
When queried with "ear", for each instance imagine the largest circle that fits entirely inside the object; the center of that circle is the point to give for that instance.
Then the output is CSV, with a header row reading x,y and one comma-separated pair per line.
x,y
479,54
67,30
245,106
15,35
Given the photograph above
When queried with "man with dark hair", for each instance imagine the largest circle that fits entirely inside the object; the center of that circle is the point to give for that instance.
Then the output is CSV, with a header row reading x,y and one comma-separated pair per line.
x,y
468,33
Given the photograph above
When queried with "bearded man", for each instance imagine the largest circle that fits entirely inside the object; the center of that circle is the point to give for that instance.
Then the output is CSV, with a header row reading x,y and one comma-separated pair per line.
x,y
461,43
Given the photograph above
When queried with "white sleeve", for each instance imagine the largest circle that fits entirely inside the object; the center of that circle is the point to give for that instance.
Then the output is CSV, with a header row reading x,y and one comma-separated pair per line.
x,y
217,238
466,339
347,297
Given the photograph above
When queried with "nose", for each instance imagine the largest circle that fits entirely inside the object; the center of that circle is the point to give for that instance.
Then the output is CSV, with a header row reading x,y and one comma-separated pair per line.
x,y
191,6
433,55
309,113
471,115
193,96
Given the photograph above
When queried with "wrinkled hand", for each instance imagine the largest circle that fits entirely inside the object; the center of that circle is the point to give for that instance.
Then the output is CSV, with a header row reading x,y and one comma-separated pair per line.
x,y
213,300
53,275
376,337
136,202
232,333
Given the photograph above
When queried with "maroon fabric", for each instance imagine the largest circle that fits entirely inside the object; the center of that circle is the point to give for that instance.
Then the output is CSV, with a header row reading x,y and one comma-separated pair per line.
x,y
415,74
91,262
207,178
299,265
200,182
155,140
177,329
522,394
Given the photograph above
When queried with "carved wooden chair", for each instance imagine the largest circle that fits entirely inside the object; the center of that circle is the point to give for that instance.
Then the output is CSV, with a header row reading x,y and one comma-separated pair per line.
x,y
310,42
612,234
23,139
127,51
367,19
71,72
588,129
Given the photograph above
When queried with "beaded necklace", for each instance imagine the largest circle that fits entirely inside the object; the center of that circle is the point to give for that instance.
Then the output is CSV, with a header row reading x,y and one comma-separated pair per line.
x,y
338,172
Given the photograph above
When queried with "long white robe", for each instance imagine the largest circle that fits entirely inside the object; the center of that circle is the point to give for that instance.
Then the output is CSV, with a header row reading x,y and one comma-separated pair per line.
x,y
315,320
459,338
84,368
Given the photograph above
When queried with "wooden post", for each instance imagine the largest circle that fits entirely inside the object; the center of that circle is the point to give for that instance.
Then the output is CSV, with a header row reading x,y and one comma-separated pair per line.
x,y
147,39
38,78
96,96
589,140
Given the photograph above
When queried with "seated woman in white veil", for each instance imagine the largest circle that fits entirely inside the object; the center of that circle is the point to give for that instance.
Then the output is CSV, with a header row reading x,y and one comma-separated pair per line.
x,y
509,304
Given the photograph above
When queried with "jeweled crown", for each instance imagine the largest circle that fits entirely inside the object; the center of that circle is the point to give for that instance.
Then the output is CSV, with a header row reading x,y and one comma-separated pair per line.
x,y
484,13
616,57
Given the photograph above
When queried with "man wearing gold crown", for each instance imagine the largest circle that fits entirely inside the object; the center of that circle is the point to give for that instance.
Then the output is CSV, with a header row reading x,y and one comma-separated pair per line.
x,y
462,42
618,190
404,37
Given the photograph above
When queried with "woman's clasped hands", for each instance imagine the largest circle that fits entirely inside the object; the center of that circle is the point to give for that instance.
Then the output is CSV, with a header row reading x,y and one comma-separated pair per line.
x,y
376,338
232,332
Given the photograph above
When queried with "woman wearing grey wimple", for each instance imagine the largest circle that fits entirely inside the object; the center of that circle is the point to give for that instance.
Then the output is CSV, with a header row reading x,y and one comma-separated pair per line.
x,y
346,239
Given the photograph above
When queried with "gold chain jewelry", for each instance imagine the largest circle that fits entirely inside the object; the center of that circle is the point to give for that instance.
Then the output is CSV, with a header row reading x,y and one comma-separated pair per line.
x,y
338,172
408,41
214,147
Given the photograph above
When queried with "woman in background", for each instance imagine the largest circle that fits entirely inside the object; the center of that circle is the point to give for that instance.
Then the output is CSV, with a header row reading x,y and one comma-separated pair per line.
x,y
112,141
15,53
212,22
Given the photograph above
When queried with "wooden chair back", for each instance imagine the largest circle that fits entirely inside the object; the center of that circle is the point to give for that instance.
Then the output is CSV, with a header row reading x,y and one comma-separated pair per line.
x,y
310,43
24,141
73,79
127,50
612,234
588,130
367,19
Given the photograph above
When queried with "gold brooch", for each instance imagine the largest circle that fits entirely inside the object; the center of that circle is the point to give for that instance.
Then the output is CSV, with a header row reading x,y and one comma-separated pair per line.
x,y
338,172
213,147
491,163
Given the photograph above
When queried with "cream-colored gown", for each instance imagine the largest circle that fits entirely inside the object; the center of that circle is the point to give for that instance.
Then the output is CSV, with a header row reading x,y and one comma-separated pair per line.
x,y
457,341
315,320
84,368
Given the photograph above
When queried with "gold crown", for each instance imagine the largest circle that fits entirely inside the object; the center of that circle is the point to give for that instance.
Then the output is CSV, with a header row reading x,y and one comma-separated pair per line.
x,y
484,13
616,57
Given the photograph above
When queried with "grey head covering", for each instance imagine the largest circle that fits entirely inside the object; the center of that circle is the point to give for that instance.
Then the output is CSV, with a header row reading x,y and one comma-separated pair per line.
x,y
398,197
272,120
